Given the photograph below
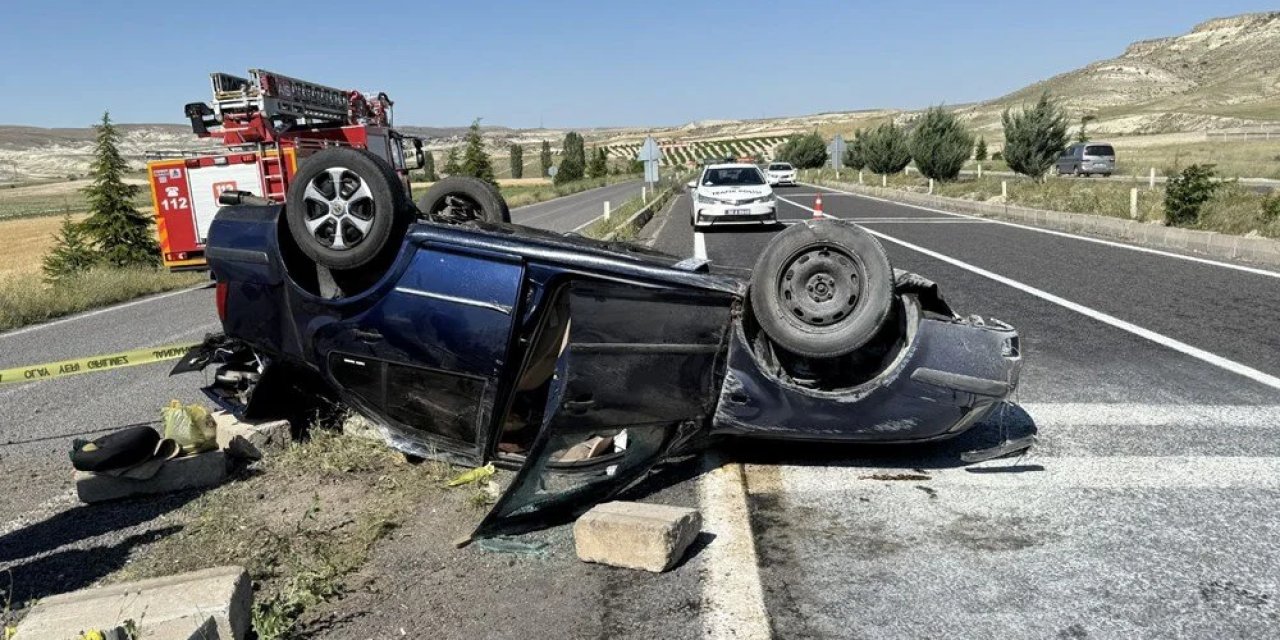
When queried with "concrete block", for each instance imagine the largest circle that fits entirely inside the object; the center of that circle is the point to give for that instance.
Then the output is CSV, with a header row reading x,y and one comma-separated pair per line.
x,y
635,535
210,603
188,472
251,440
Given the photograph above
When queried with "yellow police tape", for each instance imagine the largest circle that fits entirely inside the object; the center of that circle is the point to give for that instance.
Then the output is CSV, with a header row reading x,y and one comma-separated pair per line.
x,y
93,364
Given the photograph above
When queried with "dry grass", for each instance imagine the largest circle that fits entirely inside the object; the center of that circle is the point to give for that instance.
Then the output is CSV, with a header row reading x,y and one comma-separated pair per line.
x,y
24,242
1232,158
25,299
1234,209
298,546
524,195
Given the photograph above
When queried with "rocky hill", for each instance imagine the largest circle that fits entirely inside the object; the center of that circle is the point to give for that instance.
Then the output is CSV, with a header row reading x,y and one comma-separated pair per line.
x,y
1225,73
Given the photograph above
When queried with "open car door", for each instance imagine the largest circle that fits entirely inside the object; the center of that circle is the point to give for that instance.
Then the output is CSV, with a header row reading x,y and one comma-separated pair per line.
x,y
637,369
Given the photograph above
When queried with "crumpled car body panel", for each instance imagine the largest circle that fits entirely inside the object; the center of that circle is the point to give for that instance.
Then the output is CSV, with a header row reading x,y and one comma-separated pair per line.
x,y
473,325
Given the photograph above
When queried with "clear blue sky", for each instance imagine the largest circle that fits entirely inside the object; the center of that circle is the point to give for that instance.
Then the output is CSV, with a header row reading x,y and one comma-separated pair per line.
x,y
571,63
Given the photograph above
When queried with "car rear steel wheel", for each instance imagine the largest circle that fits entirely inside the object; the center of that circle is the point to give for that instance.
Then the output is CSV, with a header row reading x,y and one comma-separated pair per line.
x,y
820,284
822,289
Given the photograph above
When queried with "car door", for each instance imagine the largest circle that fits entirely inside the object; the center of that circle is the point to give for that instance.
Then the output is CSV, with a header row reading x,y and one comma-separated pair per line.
x,y
641,366
426,356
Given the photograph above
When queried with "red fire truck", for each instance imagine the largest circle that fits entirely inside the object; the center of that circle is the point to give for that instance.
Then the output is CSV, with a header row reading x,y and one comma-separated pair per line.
x,y
268,124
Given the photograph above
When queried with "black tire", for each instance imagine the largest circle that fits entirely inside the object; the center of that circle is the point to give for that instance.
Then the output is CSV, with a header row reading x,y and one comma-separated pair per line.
x,y
370,193
822,289
461,199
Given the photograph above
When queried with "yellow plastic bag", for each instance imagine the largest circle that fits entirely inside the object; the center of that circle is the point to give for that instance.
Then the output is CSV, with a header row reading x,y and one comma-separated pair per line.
x,y
472,475
191,427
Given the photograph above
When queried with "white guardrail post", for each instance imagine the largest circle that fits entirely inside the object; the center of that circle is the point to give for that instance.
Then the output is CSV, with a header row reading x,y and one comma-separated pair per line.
x,y
1133,203
1151,184
606,209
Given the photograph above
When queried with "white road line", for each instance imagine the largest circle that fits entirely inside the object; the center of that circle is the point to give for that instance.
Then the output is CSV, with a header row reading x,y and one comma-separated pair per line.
x,y
890,220
731,589
1083,472
98,312
1106,318
699,245
1109,243
1128,414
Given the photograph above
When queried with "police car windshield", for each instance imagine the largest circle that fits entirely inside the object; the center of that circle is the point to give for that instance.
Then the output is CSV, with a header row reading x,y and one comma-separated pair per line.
x,y
732,177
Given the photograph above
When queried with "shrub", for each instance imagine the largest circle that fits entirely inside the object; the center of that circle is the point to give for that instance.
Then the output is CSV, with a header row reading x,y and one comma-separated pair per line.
x,y
806,151
980,153
1187,192
854,157
451,166
886,149
1034,137
1270,209
599,165
940,144
72,252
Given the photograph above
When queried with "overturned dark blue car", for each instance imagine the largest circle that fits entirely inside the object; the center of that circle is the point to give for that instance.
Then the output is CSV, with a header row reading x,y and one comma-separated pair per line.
x,y
582,363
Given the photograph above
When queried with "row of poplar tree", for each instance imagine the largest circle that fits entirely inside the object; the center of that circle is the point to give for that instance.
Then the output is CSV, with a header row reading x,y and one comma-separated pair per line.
x,y
940,143
474,161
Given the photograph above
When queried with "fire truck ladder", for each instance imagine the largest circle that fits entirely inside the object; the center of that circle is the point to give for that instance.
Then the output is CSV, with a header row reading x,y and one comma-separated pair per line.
x,y
275,178
278,96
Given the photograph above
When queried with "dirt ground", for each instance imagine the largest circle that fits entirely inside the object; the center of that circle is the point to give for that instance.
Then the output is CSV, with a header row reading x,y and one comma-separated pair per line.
x,y
24,242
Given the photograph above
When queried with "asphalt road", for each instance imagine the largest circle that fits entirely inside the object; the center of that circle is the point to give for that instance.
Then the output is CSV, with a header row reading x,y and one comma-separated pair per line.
x,y
1147,510
575,211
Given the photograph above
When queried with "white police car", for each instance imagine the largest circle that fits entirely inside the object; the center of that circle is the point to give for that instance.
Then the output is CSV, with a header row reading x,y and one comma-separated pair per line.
x,y
728,194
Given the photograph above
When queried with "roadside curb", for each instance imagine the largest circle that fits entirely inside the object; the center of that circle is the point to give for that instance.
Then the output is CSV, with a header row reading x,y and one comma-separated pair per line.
x,y
639,219
1263,251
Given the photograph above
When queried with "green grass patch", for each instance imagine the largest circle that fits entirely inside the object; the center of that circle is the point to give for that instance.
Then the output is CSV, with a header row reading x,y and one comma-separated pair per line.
x,y
27,300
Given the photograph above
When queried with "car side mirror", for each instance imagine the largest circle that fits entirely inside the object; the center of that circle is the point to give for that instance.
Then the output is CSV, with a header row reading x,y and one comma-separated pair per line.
x,y
411,149
691,185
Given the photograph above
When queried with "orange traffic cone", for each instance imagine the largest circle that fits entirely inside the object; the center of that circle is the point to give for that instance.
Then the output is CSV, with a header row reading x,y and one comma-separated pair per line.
x,y
817,208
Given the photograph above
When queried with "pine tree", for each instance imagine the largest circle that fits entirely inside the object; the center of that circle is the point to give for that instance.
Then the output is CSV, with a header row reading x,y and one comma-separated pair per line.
x,y
517,161
940,144
475,161
544,158
886,149
429,166
573,163
980,153
1034,137
854,156
599,165
1083,135
72,252
121,235
451,166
